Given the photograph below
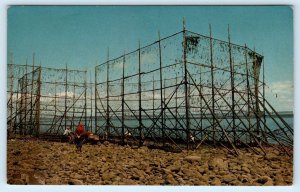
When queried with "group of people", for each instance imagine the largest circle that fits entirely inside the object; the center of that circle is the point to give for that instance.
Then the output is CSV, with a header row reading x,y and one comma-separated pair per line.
x,y
78,138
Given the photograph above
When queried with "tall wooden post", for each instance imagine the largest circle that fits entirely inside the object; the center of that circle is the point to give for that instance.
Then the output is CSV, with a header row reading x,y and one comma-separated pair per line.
x,y
264,97
85,101
73,116
248,91
187,103
123,99
201,110
140,98
153,98
212,85
232,87
162,106
31,95
55,104
66,97
38,114
17,109
107,95
256,86
11,94
96,107
25,106
176,104
91,97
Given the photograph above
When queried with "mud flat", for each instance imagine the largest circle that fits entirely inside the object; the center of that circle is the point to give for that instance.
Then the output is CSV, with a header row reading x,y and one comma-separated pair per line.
x,y
42,162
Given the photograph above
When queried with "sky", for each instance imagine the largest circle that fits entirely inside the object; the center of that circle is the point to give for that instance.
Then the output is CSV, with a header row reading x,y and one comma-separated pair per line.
x,y
79,36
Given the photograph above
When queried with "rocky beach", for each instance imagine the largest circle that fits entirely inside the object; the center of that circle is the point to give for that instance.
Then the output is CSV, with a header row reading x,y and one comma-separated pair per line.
x,y
55,163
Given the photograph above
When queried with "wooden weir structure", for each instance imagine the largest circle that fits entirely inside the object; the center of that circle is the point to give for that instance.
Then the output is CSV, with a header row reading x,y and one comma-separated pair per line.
x,y
184,91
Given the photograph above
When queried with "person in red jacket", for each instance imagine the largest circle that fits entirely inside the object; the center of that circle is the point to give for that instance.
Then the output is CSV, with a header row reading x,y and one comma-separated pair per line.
x,y
80,130
80,136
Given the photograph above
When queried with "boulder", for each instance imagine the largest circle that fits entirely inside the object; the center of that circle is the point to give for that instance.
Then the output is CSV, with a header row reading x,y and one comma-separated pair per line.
x,y
75,182
170,180
174,168
228,178
215,181
217,164
271,157
192,158
264,180
245,169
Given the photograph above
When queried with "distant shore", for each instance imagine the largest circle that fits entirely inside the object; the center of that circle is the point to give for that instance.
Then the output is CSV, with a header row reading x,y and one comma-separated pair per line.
x,y
43,162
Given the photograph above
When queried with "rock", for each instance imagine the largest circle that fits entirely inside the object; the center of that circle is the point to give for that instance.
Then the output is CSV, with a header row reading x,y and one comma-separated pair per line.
x,y
279,180
180,181
217,164
216,181
228,178
17,176
236,168
202,170
17,153
36,181
174,168
99,182
77,176
188,172
53,181
170,180
243,178
192,158
245,169
204,178
16,182
106,143
235,182
108,176
269,183
42,167
75,182
135,177
274,165
264,180
271,157
25,177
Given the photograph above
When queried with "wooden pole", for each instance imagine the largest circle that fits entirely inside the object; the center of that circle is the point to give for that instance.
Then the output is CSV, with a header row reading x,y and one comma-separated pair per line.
x,y
140,98
186,87
212,84
162,106
11,94
96,107
123,100
31,95
85,100
232,87
248,92
66,95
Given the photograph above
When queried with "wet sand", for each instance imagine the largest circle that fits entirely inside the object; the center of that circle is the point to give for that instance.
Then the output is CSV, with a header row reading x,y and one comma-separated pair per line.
x,y
43,162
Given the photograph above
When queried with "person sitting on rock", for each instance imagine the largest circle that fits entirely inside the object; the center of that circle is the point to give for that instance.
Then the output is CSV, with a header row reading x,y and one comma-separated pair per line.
x,y
69,134
80,137
127,135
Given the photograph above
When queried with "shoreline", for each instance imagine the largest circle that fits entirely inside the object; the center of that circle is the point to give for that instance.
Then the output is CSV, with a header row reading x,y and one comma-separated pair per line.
x,y
55,163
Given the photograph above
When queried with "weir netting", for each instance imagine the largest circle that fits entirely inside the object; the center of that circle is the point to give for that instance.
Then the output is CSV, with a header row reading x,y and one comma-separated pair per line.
x,y
45,101
186,90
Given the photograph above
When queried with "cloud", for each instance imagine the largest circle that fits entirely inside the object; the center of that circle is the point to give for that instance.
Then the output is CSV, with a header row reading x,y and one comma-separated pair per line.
x,y
148,58
281,95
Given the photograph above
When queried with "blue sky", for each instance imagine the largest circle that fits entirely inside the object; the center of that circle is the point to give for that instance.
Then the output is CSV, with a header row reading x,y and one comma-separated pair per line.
x,y
80,35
